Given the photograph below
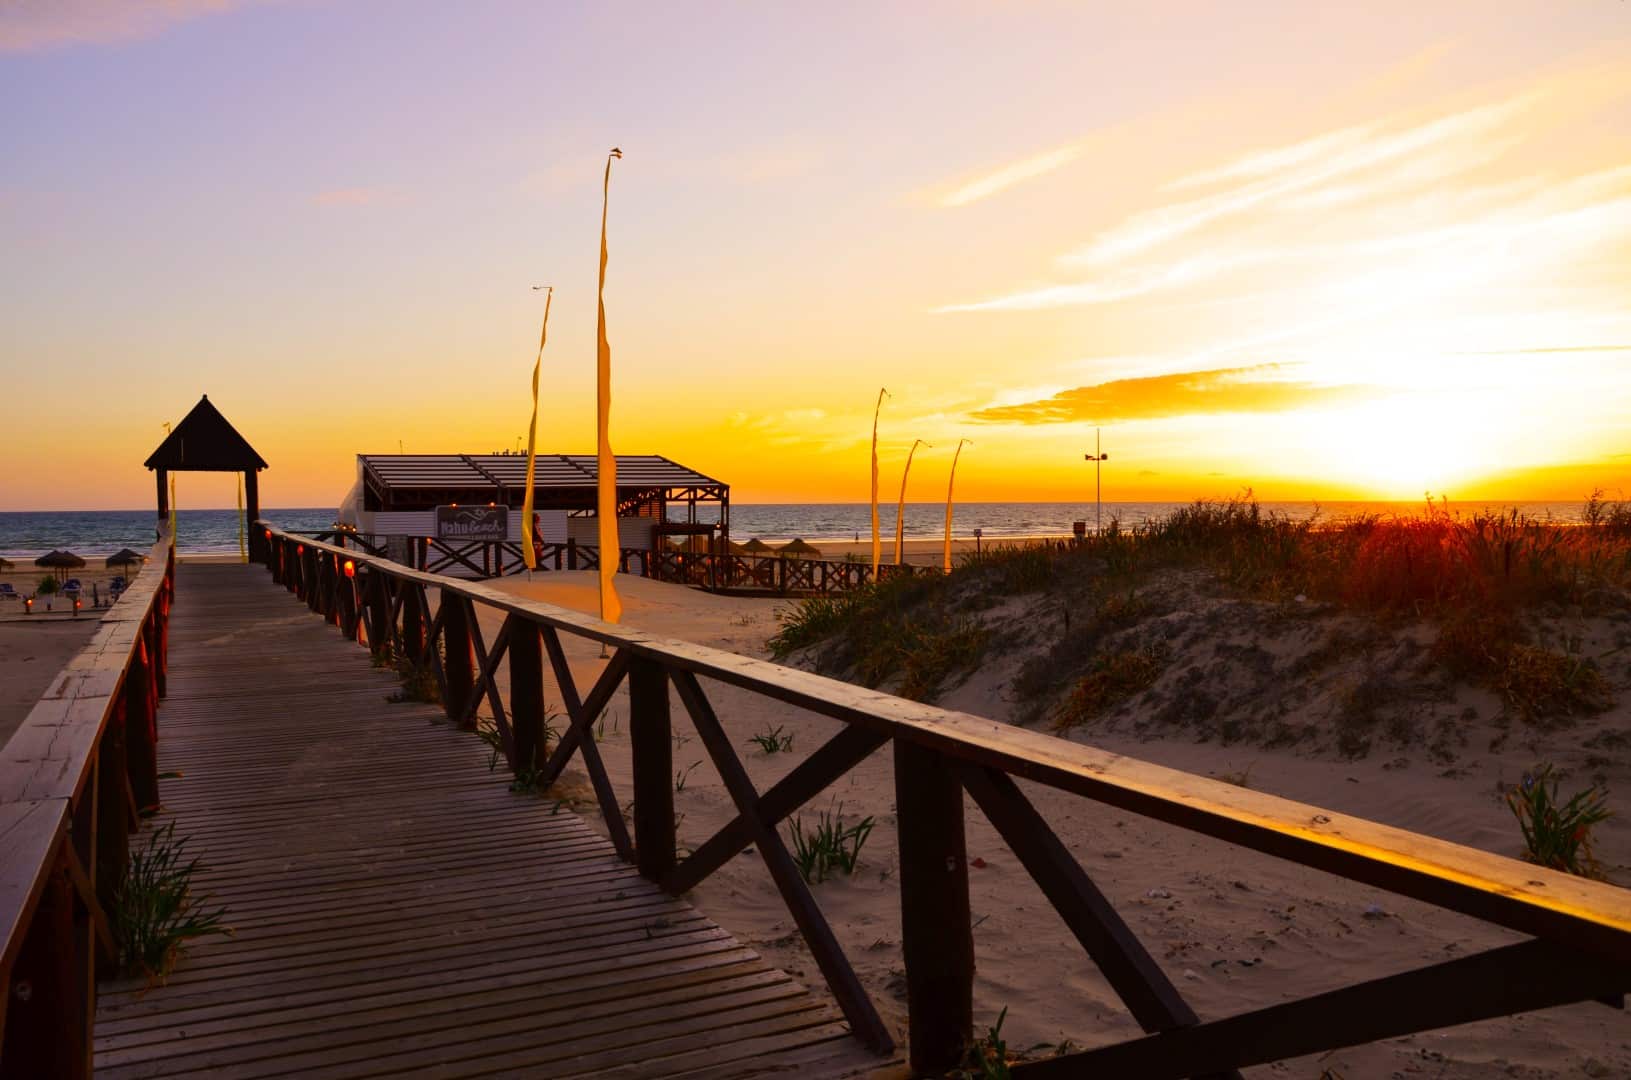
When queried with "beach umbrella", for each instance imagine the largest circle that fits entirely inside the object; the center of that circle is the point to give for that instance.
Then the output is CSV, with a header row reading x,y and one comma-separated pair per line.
x,y
798,549
61,562
126,558
755,546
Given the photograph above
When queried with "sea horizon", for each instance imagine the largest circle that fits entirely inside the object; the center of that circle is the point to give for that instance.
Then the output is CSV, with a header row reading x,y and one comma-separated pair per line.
x,y
29,533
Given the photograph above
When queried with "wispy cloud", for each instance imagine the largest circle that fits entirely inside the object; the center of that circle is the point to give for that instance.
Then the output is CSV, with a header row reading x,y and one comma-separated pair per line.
x,y
31,25
1295,170
1256,389
998,180
1438,198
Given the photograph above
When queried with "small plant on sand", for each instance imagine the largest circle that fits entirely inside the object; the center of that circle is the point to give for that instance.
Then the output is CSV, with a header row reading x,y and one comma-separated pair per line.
x,y
989,1057
1558,835
831,847
418,682
154,914
683,776
772,741
48,585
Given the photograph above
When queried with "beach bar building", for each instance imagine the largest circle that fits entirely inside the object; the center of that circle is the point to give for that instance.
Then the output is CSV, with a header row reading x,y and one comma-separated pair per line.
x,y
460,514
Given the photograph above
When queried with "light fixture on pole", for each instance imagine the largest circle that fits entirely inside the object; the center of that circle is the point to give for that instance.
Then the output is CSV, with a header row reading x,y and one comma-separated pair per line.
x,y
1098,458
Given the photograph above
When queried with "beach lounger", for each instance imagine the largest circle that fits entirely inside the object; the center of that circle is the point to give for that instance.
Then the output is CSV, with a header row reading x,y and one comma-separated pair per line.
x,y
7,592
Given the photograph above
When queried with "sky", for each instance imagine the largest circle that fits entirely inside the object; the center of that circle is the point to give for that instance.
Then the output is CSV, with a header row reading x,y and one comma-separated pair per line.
x,y
1318,251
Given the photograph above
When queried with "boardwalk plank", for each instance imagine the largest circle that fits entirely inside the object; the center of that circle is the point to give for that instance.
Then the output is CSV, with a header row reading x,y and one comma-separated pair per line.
x,y
397,910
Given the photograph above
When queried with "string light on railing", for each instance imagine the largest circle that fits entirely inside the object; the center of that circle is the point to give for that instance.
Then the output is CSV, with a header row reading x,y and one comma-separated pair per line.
x,y
350,568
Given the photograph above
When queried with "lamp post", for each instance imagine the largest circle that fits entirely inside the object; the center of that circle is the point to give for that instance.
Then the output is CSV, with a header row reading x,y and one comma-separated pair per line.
x,y
1098,458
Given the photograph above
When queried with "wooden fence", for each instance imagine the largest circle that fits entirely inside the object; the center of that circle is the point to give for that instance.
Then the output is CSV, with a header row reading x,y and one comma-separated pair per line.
x,y
743,574
74,780
1579,931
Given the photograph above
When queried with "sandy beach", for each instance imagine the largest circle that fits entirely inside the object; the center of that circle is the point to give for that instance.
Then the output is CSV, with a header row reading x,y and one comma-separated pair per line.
x,y
1234,929
34,647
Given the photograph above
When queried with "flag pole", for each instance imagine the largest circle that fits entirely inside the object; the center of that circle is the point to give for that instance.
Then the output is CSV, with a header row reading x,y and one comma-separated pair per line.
x,y
900,510
529,555
945,556
611,609
877,542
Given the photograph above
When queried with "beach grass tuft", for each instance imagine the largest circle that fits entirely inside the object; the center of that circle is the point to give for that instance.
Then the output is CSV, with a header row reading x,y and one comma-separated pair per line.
x,y
1557,834
154,913
772,740
831,846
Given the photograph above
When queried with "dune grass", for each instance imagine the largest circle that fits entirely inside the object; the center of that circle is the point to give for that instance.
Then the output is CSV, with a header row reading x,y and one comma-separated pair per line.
x,y
1473,576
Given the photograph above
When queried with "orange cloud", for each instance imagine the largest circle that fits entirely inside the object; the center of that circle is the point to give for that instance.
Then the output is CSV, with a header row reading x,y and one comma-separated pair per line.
x,y
1154,397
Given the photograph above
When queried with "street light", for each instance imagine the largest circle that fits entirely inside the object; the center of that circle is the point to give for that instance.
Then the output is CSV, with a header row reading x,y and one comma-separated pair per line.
x,y
1098,458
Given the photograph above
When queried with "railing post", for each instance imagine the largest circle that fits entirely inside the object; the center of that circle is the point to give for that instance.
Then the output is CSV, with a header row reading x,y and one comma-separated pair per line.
x,y
45,1025
460,664
571,554
527,694
936,936
413,625
379,613
141,753
112,806
652,750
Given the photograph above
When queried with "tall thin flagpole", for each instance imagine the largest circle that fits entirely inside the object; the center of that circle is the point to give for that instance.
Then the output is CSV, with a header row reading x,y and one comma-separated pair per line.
x,y
945,554
877,540
900,509
1098,481
611,609
529,554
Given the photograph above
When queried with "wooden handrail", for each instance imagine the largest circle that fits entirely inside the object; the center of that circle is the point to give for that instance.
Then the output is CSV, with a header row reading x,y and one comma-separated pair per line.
x,y
1583,921
72,779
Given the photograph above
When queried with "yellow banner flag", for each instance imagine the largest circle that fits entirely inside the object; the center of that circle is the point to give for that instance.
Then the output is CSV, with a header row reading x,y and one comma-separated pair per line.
x,y
611,609
945,554
900,510
877,542
529,554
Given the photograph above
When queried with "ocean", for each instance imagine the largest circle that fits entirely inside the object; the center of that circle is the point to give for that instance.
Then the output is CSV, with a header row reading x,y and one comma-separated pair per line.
x,y
30,533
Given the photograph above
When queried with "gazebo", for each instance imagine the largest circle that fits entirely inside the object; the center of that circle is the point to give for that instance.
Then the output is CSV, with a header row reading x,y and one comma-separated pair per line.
x,y
205,442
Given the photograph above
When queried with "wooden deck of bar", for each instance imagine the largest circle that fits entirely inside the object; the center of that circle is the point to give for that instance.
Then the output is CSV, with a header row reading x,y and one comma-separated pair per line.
x,y
397,911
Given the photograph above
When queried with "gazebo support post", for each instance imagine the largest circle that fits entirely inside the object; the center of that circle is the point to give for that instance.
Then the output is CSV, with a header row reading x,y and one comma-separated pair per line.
x,y
164,493
252,512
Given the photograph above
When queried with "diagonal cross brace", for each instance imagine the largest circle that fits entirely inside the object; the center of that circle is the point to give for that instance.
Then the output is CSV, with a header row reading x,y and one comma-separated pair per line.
x,y
578,735
841,979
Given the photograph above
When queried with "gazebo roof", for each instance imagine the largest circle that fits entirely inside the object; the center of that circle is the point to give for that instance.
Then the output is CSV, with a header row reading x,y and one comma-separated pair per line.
x,y
205,442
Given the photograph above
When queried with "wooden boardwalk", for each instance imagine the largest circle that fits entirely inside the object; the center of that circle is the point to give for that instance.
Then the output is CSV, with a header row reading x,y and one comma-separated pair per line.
x,y
397,911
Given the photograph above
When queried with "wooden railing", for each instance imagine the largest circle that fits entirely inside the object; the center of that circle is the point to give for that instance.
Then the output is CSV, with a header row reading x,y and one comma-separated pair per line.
x,y
768,574
74,780
1579,931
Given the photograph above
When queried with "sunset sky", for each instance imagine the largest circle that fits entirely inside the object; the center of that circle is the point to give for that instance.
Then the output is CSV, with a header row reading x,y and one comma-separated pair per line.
x,y
1367,252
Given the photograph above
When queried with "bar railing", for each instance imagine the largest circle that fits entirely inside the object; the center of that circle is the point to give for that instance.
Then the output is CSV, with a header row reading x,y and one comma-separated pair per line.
x,y
1579,931
75,778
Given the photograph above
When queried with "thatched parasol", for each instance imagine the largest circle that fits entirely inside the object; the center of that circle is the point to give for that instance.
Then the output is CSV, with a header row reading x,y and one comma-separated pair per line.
x,y
126,558
5,564
798,549
61,562
755,546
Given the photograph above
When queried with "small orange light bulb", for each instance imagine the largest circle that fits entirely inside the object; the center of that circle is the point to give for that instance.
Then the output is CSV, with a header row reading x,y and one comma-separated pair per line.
x,y
350,568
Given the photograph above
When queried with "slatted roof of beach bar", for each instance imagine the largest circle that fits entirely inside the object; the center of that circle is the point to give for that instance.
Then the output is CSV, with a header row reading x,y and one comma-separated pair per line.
x,y
420,481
